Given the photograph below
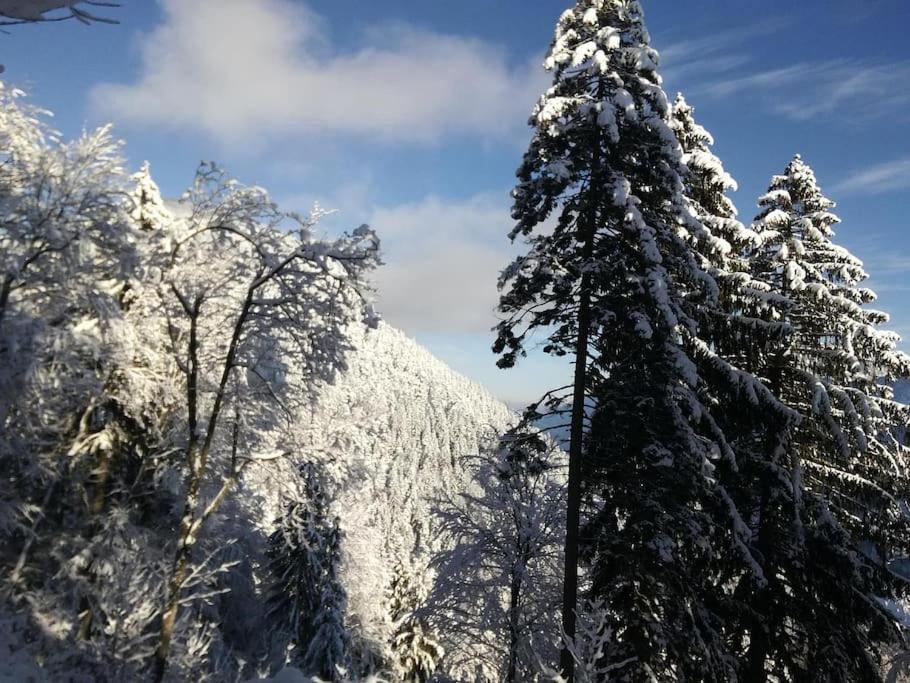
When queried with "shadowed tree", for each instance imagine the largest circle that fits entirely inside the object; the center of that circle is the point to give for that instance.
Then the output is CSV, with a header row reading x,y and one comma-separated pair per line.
x,y
614,277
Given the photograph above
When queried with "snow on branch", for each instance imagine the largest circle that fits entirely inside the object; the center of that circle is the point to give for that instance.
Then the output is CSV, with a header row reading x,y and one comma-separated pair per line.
x,y
36,11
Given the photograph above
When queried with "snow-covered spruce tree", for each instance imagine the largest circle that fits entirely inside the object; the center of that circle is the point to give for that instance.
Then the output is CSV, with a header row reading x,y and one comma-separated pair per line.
x,y
149,212
740,330
306,601
416,651
618,285
327,656
256,311
827,537
723,238
495,598
745,322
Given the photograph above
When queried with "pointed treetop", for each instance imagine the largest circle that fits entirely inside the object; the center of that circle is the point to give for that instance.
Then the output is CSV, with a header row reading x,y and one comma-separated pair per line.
x,y
797,191
589,33
683,110
696,143
721,235
687,129
149,209
797,255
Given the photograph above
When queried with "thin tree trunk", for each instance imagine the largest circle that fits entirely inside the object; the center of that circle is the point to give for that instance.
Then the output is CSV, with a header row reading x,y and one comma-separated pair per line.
x,y
197,455
196,466
514,605
189,528
169,617
577,426
188,531
760,634
5,290
573,507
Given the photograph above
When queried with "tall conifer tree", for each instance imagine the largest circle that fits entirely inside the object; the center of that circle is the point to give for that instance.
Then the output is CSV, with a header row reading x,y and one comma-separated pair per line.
x,y
829,517
743,323
619,285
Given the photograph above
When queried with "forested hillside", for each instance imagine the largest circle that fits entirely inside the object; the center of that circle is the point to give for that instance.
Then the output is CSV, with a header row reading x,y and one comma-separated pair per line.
x,y
392,434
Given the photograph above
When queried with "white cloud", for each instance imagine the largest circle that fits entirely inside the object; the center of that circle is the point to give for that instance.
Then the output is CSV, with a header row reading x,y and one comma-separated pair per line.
x,y
877,179
243,69
443,259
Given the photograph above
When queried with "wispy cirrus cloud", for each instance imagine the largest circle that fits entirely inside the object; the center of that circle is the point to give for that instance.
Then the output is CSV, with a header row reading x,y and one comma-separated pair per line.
x,y
687,63
723,65
675,53
864,90
880,178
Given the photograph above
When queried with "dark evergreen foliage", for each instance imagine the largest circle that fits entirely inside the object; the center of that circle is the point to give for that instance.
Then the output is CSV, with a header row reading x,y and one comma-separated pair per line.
x,y
307,598
621,282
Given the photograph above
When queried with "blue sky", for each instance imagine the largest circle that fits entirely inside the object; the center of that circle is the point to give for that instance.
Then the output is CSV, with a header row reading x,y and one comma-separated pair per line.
x,y
411,116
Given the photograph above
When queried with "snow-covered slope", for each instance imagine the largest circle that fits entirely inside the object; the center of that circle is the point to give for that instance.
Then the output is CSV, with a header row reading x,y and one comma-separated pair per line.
x,y
390,433
398,422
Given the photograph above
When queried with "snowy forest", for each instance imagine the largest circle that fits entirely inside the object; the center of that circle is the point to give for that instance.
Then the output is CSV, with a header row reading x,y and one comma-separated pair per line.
x,y
218,463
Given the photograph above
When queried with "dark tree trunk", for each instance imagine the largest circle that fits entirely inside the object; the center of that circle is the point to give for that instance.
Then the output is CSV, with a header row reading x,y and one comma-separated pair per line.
x,y
763,625
573,507
576,438
5,290
586,232
514,606
760,635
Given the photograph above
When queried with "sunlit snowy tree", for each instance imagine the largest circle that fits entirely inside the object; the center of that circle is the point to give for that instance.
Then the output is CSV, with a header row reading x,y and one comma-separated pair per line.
x,y
83,405
255,307
66,251
496,595
416,651
830,514
149,211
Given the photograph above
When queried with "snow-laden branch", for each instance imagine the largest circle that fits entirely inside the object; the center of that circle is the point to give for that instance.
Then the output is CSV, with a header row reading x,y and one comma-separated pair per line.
x,y
37,11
